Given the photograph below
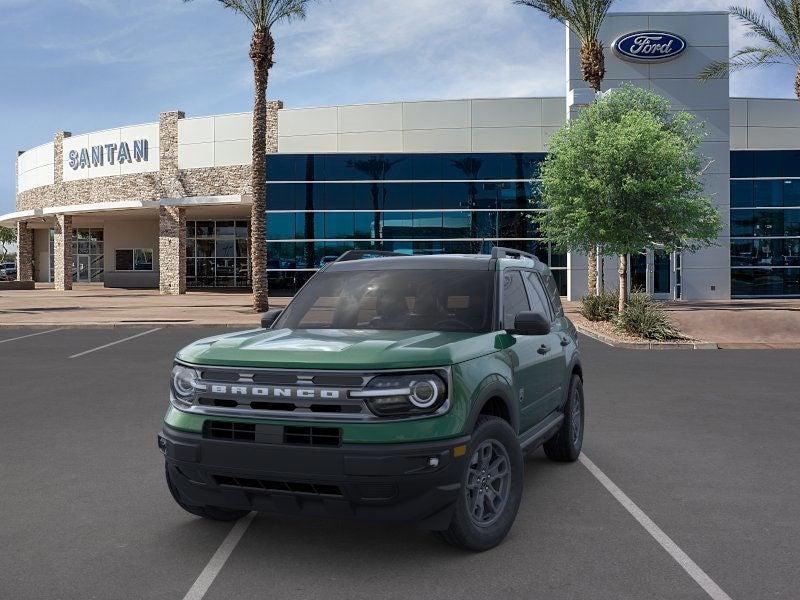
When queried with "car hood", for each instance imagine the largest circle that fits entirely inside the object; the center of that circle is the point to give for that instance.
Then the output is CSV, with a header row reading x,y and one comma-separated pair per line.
x,y
338,349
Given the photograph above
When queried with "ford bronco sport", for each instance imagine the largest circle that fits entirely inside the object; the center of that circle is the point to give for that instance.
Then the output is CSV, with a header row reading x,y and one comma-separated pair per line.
x,y
393,387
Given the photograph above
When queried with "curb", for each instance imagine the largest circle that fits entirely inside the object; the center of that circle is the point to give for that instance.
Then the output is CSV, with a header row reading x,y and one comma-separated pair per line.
x,y
609,341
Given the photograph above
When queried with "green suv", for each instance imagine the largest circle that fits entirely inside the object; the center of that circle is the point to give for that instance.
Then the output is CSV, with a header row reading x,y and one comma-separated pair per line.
x,y
391,387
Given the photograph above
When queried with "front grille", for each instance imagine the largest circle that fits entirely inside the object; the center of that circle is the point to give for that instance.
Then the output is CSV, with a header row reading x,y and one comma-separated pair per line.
x,y
312,436
264,433
314,489
223,430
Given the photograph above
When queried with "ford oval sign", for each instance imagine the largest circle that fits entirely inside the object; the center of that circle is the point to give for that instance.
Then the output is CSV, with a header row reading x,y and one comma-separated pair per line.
x,y
649,46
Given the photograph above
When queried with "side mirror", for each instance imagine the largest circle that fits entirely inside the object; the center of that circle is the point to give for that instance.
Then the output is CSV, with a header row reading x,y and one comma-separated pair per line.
x,y
269,317
531,323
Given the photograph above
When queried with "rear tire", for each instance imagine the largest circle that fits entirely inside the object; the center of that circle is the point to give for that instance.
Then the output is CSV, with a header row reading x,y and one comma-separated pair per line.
x,y
491,488
215,513
566,444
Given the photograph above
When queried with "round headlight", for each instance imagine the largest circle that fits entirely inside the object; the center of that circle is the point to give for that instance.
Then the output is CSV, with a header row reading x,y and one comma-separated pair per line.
x,y
424,393
183,379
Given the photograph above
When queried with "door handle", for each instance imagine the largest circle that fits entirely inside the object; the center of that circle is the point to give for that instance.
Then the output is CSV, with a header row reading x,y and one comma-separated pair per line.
x,y
543,349
565,341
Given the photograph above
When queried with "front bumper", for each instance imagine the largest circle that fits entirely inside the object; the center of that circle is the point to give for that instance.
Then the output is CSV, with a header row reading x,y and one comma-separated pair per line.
x,y
416,482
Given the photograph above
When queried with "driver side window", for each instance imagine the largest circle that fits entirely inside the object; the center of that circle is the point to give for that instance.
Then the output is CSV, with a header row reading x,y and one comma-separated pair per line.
x,y
515,299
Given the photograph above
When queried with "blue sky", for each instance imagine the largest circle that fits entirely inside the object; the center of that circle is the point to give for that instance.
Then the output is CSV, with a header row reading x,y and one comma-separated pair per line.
x,y
84,65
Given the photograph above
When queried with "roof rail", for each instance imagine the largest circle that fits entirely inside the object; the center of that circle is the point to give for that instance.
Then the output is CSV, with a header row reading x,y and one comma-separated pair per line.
x,y
362,254
500,252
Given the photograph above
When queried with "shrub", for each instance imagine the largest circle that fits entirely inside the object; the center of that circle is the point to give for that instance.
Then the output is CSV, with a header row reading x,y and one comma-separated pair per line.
x,y
646,318
601,307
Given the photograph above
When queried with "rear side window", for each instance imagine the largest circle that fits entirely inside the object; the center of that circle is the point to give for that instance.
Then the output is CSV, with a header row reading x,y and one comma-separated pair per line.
x,y
515,299
552,292
538,297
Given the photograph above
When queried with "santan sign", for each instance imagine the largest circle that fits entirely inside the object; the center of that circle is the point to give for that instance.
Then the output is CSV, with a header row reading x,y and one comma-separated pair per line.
x,y
649,46
97,156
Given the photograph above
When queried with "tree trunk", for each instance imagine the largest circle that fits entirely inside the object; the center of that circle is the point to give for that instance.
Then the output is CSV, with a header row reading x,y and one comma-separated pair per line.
x,y
797,84
601,276
593,67
593,70
623,282
262,48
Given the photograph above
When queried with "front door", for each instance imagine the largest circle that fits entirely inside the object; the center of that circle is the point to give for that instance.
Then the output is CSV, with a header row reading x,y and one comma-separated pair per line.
x,y
662,271
528,361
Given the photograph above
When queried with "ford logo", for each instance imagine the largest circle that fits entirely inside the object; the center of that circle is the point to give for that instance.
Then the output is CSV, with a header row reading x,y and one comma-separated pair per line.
x,y
649,46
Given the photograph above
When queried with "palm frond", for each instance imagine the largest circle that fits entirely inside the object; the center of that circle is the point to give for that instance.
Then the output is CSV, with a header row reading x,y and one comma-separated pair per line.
x,y
787,14
759,26
263,14
583,17
745,58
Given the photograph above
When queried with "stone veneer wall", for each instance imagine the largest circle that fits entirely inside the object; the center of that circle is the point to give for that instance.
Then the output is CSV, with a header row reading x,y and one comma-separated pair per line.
x,y
171,250
169,182
62,250
24,252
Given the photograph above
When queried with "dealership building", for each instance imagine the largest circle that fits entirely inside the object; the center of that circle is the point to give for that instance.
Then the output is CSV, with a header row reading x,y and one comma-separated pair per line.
x,y
167,204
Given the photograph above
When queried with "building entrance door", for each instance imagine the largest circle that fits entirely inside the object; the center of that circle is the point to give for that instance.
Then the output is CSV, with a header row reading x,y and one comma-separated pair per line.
x,y
83,269
651,272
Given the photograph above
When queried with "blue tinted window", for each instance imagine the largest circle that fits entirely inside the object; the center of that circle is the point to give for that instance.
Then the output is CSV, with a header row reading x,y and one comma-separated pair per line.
x,y
398,225
455,195
281,167
365,225
426,166
397,196
768,163
427,225
339,225
339,196
742,164
426,195
791,192
280,226
281,196
768,193
456,224
741,194
742,223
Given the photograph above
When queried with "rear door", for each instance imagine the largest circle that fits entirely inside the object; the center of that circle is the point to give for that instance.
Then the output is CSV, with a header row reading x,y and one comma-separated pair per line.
x,y
528,364
554,357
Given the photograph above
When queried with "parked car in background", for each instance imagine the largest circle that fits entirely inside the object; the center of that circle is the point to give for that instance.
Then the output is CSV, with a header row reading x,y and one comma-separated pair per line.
x,y
8,271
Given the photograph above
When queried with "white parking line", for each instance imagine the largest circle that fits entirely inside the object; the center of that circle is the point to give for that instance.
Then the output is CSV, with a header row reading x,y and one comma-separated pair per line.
x,y
22,337
115,343
214,566
688,565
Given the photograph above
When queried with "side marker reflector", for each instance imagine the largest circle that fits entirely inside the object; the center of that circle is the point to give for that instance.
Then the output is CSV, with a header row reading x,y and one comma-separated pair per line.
x,y
459,451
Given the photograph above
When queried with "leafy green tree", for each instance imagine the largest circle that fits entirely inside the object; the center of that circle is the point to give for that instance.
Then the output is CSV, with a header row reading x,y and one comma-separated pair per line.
x,y
7,236
778,36
626,174
263,15
584,19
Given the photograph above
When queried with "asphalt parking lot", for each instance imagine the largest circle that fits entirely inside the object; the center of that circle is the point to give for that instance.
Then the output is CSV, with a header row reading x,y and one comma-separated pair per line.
x,y
705,443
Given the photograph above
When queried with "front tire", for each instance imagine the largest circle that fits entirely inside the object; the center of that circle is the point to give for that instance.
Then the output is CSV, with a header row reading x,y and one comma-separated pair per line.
x,y
566,444
491,488
215,513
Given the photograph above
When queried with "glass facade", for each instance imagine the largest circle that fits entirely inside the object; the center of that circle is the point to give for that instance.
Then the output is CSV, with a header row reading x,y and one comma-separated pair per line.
x,y
321,205
765,223
217,254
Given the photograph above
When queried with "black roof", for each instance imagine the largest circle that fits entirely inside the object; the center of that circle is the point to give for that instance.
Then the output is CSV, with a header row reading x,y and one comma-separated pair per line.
x,y
461,262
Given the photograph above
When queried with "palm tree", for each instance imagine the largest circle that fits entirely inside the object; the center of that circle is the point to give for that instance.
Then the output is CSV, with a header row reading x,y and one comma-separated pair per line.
x,y
584,19
780,41
263,15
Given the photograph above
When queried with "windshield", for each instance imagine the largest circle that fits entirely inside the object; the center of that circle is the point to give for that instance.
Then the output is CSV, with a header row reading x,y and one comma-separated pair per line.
x,y
415,299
